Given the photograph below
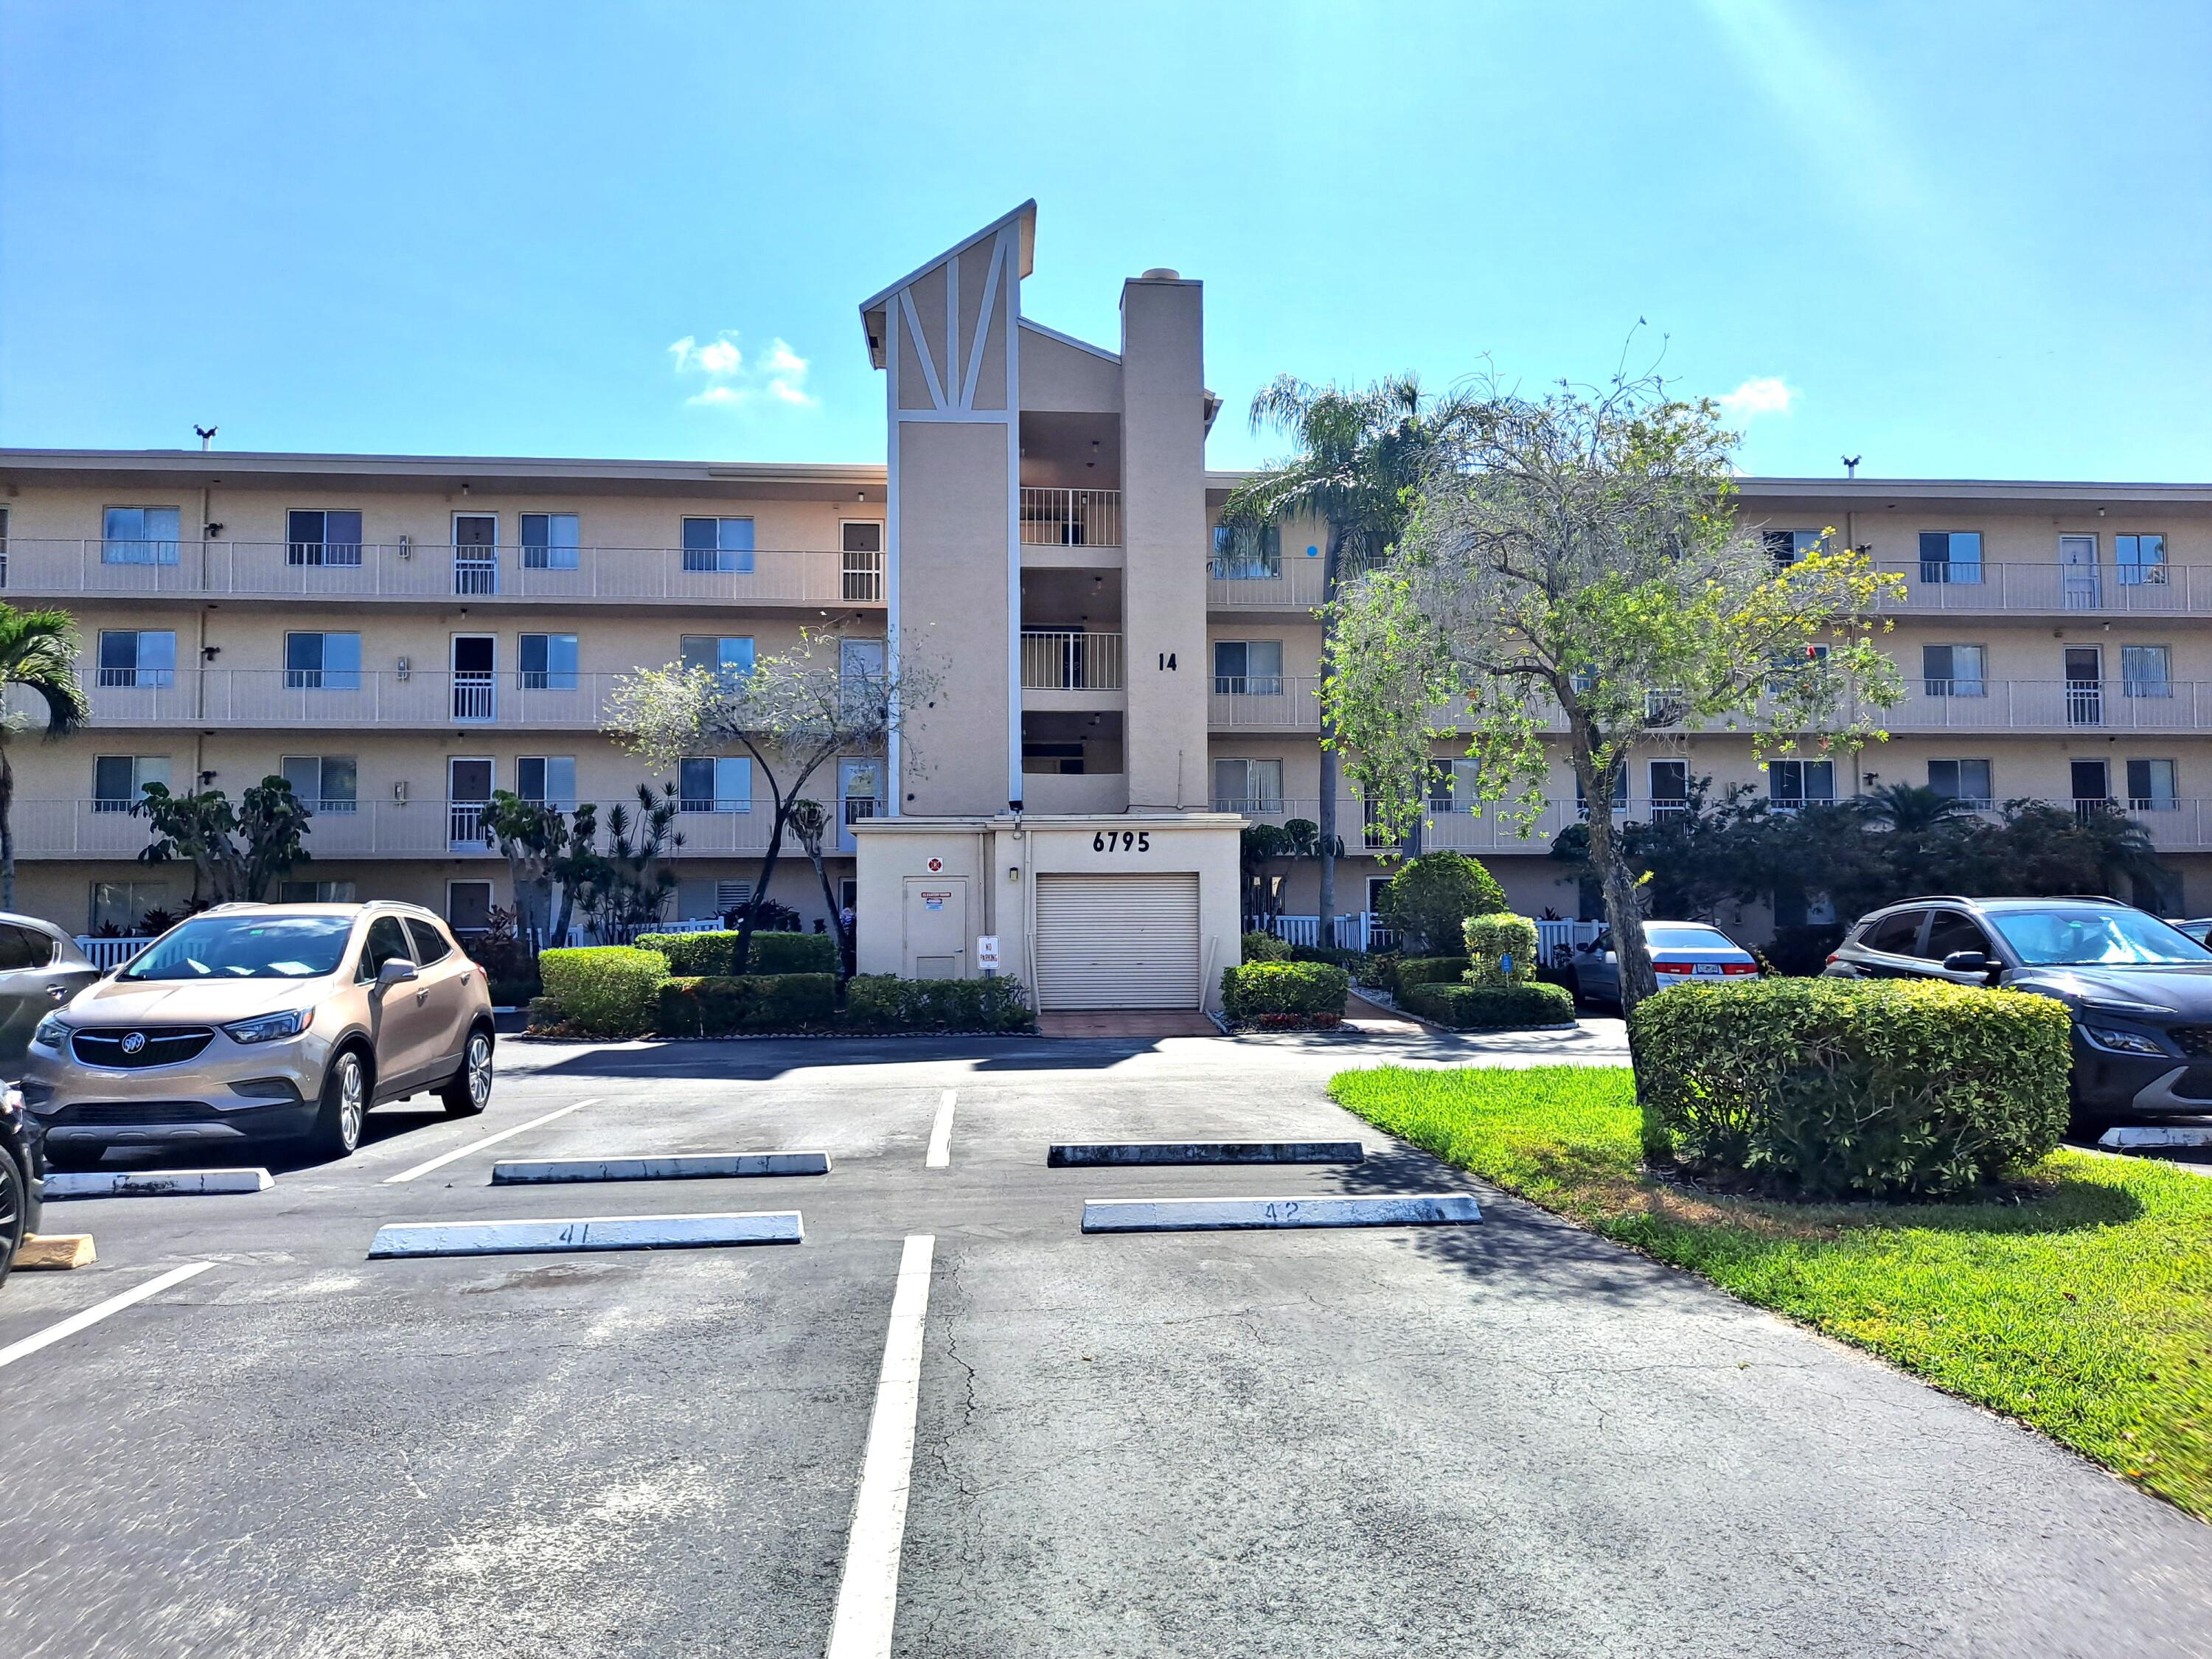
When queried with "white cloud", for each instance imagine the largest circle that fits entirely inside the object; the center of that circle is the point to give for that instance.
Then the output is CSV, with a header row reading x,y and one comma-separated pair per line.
x,y
781,373
1763,394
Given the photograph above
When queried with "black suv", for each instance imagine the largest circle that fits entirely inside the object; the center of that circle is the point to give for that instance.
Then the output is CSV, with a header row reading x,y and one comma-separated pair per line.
x,y
22,1175
2140,990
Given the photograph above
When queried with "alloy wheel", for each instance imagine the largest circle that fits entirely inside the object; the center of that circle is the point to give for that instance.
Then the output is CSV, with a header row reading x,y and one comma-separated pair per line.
x,y
479,1069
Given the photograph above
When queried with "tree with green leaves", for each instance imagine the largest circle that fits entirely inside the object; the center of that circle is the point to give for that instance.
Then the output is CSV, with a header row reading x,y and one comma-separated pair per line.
x,y
541,842
1360,456
236,853
1575,567
811,822
38,652
793,713
630,879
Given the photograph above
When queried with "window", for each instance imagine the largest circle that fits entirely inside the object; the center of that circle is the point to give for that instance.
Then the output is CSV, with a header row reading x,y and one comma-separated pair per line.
x,y
1248,786
2143,671
316,892
23,947
2140,559
118,780
323,783
124,904
1953,930
1619,795
430,944
862,544
387,941
2152,785
549,662
322,538
143,656
322,662
468,906
1895,934
1954,671
1962,779
723,785
139,535
1794,782
1787,665
724,545
1670,786
860,662
1951,555
551,541
1788,546
548,778
732,896
731,654
1250,668
1246,552
1453,786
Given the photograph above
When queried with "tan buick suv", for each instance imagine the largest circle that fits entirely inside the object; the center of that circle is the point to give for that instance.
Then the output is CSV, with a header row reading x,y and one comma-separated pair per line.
x,y
264,1022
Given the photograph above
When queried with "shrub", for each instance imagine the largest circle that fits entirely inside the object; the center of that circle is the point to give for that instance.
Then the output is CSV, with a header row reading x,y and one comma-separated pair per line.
x,y
1503,948
1378,972
716,954
1430,897
512,993
1427,971
884,1002
1803,951
605,990
1283,988
717,1005
545,1014
1265,947
1490,1007
1828,1087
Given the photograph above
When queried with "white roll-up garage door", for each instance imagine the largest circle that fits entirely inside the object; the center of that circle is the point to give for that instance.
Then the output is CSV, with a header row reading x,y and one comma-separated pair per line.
x,y
1117,941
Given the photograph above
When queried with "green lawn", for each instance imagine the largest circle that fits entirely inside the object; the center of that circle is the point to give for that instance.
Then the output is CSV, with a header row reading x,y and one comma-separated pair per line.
x,y
2085,1310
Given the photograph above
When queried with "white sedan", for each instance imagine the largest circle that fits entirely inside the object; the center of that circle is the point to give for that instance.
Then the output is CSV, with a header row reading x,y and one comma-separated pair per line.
x,y
1681,952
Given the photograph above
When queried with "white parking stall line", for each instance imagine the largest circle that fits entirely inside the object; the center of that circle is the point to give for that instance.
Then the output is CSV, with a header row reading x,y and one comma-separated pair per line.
x,y
941,1135
93,1316
867,1597
444,1159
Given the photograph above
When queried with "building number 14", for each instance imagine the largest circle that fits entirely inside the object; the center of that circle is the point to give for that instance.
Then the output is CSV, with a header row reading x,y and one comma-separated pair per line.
x,y
1129,840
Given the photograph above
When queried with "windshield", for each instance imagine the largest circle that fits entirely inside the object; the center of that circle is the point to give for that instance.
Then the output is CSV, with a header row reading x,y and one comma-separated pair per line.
x,y
1663,935
2072,938
241,947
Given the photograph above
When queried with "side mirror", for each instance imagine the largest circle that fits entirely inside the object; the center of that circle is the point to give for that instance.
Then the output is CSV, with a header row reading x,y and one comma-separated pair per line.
x,y
1966,961
395,971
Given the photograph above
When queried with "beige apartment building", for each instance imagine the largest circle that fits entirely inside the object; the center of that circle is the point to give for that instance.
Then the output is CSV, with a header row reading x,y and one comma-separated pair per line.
x,y
1113,691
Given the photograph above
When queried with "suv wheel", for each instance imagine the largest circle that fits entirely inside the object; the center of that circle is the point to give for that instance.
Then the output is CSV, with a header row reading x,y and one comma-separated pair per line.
x,y
345,1105
468,1091
14,1209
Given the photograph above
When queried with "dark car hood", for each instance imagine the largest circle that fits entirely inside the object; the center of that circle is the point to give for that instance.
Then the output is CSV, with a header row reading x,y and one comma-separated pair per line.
x,y
2185,989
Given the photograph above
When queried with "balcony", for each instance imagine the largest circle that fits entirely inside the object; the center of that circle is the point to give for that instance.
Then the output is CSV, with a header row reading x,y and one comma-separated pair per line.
x,y
429,572
2049,589
1070,659
443,830
1070,517
294,697
1270,702
2174,706
1290,583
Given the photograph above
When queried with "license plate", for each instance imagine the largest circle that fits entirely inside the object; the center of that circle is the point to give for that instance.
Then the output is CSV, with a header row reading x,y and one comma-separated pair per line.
x,y
1712,969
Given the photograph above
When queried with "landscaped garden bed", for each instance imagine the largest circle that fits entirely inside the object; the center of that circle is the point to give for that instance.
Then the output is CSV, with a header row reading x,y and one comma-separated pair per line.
x,y
2074,1294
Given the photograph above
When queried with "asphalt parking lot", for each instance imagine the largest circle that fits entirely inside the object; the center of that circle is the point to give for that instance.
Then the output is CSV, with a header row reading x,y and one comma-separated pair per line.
x,y
1501,1438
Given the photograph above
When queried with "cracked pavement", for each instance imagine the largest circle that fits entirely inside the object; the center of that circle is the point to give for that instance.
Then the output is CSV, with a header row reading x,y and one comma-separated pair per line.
x,y
1513,1438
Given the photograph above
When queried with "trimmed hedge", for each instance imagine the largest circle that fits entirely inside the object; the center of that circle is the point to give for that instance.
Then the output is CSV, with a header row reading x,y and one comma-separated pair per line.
x,y
884,1002
1283,988
1503,948
717,1005
605,990
716,954
1427,971
1431,896
1490,1007
1265,947
1827,1087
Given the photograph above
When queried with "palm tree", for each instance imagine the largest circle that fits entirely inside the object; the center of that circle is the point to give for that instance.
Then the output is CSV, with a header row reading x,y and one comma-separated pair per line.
x,y
1912,808
38,652
1360,453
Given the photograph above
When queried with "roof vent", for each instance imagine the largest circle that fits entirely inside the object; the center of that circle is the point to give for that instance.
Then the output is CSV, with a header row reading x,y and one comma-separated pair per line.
x,y
1162,274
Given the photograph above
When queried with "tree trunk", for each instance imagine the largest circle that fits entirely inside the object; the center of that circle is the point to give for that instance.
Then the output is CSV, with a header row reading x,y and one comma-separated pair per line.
x,y
836,913
1624,918
1332,557
7,830
759,893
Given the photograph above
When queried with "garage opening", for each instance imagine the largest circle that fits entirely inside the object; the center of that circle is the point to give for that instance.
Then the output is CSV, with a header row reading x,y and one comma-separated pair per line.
x,y
1117,941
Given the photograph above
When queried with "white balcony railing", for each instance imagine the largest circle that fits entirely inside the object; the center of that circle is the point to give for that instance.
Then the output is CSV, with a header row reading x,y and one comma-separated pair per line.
x,y
1290,583
428,571
1071,518
1265,703
1070,659
277,696
2050,588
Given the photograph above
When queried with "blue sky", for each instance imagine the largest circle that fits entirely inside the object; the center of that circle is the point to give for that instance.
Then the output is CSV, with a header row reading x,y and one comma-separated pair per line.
x,y
1969,240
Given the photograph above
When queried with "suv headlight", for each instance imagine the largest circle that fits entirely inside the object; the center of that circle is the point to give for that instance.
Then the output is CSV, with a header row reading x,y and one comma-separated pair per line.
x,y
267,1028
53,1033
2123,1042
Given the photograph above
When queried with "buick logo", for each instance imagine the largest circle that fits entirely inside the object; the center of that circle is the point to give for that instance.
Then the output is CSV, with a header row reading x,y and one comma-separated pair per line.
x,y
135,1043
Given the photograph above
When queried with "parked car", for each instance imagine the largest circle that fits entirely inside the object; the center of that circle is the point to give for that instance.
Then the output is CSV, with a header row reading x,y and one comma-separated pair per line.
x,y
41,968
2198,928
2140,989
23,1176
1680,952
259,1022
